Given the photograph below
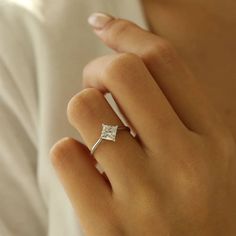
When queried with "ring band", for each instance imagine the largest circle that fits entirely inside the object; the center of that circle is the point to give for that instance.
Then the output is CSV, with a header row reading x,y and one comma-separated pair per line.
x,y
109,132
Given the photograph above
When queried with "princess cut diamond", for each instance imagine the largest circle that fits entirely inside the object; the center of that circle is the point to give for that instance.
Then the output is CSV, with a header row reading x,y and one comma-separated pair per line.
x,y
109,132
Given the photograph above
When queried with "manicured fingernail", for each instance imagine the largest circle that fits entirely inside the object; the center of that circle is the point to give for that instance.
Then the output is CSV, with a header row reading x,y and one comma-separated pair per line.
x,y
98,20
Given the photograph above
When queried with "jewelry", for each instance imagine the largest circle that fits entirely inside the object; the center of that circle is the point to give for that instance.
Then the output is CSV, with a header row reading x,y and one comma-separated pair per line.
x,y
109,132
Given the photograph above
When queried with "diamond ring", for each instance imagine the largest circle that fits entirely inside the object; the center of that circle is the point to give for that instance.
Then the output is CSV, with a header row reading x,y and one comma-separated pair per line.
x,y
109,132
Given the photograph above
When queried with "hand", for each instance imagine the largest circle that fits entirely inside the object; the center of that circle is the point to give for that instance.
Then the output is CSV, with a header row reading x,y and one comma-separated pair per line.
x,y
177,177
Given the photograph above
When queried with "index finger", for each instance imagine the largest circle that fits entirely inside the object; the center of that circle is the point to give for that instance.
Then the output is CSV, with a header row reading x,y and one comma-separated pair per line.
x,y
183,91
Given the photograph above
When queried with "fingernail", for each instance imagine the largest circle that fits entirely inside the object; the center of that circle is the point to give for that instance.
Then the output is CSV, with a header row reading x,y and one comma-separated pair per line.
x,y
98,20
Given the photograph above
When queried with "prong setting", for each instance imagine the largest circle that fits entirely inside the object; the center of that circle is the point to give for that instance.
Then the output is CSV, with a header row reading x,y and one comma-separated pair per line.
x,y
109,132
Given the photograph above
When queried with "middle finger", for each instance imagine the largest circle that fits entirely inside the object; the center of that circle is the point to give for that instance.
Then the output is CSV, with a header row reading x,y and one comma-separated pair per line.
x,y
138,96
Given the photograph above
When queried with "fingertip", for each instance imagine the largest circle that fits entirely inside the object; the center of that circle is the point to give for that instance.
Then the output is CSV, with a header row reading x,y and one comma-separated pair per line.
x,y
60,150
99,20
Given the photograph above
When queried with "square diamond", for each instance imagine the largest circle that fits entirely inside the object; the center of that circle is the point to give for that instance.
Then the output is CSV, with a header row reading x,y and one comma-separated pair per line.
x,y
109,132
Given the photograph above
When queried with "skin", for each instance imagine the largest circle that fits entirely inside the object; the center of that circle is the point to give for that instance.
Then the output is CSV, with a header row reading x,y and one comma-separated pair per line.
x,y
204,34
177,176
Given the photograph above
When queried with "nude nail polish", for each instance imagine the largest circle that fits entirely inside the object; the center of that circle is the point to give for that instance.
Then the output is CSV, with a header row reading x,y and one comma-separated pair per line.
x,y
98,20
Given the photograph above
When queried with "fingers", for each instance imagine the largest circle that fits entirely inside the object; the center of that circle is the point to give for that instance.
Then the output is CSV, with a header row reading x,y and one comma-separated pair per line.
x,y
85,186
137,94
122,160
184,93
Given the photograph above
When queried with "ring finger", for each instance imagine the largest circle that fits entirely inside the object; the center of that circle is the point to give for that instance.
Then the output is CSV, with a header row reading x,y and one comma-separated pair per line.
x,y
122,160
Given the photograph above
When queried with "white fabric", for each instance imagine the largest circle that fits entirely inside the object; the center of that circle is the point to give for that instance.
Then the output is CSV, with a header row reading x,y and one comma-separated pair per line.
x,y
43,49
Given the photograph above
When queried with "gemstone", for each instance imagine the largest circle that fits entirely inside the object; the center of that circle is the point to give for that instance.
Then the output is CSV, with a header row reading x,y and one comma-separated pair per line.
x,y
109,132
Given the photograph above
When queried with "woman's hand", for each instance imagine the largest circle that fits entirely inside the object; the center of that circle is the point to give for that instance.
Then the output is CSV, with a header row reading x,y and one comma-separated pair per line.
x,y
177,177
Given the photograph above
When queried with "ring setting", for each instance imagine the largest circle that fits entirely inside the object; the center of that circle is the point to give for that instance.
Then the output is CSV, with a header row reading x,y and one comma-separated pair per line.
x,y
109,132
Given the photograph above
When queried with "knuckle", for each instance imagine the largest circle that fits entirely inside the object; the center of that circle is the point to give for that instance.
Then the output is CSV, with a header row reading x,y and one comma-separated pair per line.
x,y
159,51
120,65
80,103
60,151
